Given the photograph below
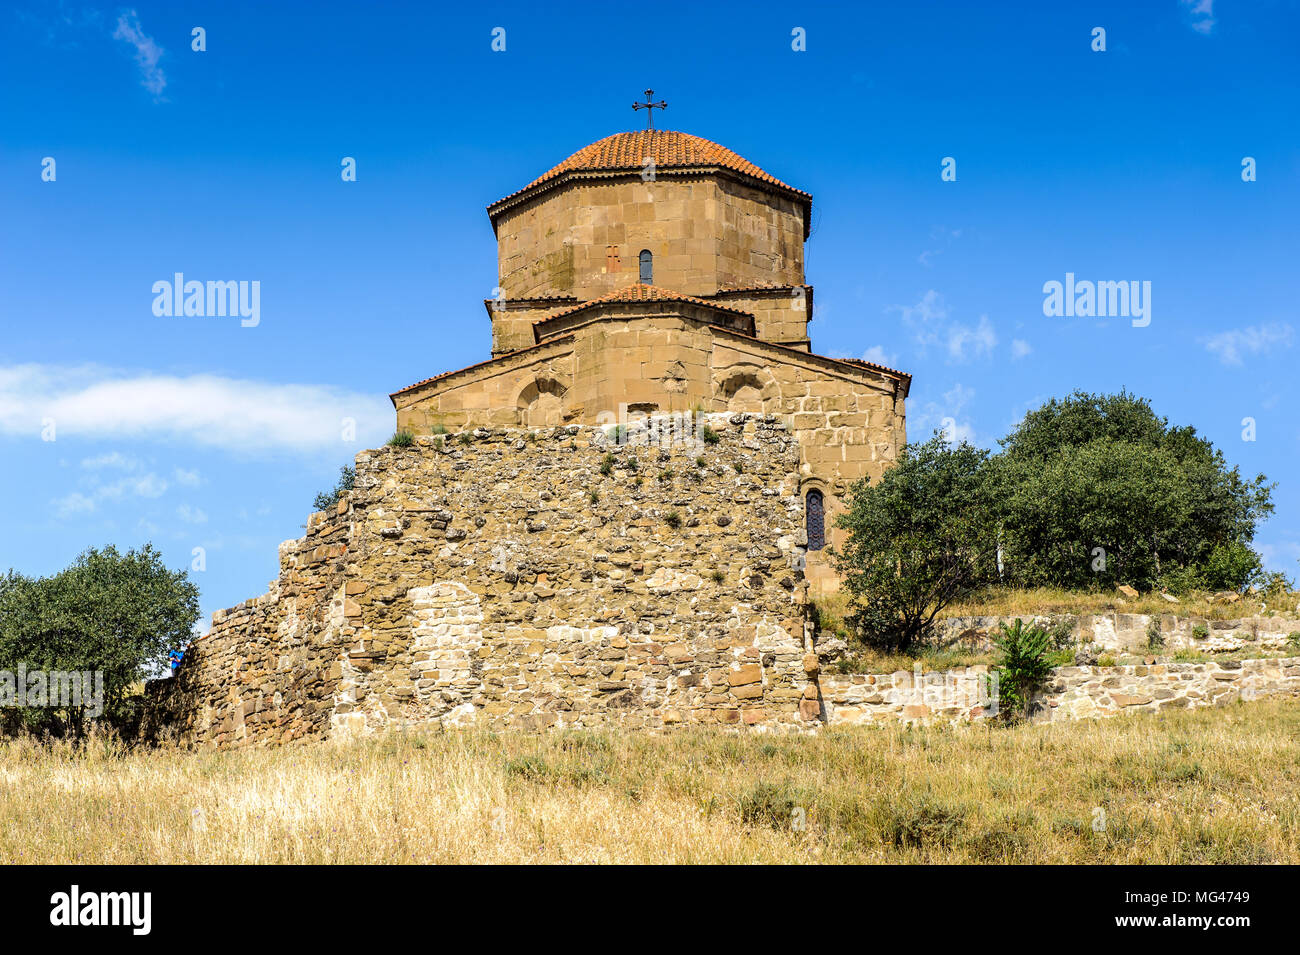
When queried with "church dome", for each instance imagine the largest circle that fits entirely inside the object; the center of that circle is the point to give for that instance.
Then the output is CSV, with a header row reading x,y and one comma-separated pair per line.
x,y
668,149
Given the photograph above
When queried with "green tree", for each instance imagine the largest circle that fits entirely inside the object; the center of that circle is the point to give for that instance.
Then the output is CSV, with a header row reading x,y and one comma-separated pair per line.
x,y
116,613
1232,566
1104,471
920,538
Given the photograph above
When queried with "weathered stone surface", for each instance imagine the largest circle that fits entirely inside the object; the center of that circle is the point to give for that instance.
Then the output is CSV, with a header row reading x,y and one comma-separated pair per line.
x,y
1077,692
553,611
1125,699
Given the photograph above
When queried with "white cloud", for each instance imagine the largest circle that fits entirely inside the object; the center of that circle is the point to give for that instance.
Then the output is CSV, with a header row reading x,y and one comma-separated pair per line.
x,y
1020,348
147,52
877,354
204,410
1232,345
957,397
1202,15
965,342
147,485
945,237
188,478
116,460
191,515
928,320
926,417
930,310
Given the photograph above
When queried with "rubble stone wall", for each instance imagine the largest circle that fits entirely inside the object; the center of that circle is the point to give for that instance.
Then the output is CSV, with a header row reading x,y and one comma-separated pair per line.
x,y
1117,631
546,577
1079,692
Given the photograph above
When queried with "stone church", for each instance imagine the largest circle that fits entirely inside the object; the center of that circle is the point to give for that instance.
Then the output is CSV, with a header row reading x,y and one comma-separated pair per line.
x,y
520,563
653,272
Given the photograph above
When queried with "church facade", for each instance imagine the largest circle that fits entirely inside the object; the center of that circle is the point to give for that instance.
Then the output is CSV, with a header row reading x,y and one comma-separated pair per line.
x,y
656,272
523,562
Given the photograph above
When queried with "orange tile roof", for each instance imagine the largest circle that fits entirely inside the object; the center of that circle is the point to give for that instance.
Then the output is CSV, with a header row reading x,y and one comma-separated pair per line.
x,y
641,292
872,364
478,364
667,148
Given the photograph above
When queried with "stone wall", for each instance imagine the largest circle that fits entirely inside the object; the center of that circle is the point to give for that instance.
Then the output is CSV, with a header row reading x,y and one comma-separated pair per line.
x,y
1114,631
504,576
269,667
1071,693
850,420
706,231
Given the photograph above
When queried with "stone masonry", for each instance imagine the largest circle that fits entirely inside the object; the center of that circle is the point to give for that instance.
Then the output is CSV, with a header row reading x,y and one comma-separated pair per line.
x,y
1079,692
1118,632
574,577
551,577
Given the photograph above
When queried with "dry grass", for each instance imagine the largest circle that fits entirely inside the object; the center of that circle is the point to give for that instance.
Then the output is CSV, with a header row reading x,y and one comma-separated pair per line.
x,y
1002,601
1191,786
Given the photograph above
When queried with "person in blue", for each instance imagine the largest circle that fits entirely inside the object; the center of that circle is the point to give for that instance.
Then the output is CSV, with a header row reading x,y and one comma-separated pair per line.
x,y
174,658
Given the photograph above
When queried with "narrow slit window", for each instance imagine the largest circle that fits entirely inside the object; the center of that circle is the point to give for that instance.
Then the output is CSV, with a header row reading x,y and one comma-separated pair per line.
x,y
647,267
816,518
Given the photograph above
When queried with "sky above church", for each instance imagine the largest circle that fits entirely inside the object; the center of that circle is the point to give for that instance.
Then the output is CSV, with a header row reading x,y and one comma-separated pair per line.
x,y
1169,157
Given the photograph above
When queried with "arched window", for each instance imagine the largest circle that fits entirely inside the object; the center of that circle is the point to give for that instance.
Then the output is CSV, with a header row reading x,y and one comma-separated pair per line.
x,y
815,515
647,267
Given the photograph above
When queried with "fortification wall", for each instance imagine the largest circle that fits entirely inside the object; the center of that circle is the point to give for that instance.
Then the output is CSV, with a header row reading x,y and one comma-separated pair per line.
x,y
526,578
1117,631
1071,693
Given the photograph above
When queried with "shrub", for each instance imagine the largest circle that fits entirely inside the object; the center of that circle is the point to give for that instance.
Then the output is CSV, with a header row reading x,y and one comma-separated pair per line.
x,y
401,439
1062,633
919,822
666,474
607,464
1155,636
769,804
1276,586
593,497
718,577
1023,666
327,500
710,436
1293,639
464,438
1232,566
438,429
1180,580
1200,632
699,462
673,519
740,468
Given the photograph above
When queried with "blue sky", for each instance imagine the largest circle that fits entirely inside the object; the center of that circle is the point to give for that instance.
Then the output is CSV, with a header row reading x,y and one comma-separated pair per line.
x,y
225,165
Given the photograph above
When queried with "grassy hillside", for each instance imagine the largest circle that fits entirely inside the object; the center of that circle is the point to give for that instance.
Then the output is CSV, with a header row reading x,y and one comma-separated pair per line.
x,y
1218,785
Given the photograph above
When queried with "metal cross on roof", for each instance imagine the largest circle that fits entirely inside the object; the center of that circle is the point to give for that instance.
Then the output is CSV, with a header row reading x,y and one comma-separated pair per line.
x,y
650,108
